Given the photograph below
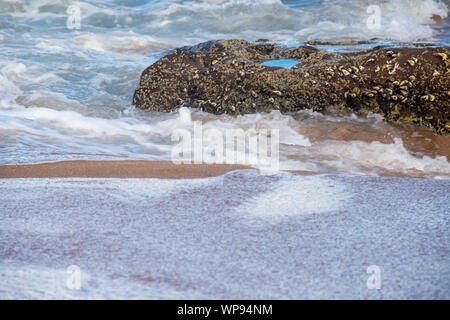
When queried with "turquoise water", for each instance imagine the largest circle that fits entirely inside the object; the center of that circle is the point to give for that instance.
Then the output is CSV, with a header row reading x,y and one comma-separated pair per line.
x,y
283,63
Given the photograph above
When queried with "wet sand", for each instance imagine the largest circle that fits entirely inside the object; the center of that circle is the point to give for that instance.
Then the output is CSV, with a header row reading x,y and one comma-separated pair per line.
x,y
228,235
162,169
241,235
418,141
116,169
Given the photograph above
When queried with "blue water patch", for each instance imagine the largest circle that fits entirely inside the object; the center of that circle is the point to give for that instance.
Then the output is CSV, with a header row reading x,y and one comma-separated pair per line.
x,y
284,63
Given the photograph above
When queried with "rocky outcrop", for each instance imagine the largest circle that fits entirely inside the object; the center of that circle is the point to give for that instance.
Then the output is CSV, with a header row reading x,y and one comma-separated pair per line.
x,y
410,84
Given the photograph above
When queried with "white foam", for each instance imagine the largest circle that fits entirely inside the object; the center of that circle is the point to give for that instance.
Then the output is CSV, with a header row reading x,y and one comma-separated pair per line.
x,y
18,72
359,157
118,41
339,19
297,195
43,9
131,132
185,115
297,152
48,45
10,91
333,20
388,156
92,127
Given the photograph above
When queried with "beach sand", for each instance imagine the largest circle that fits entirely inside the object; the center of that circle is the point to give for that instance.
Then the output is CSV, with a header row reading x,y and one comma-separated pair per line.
x,y
116,169
162,169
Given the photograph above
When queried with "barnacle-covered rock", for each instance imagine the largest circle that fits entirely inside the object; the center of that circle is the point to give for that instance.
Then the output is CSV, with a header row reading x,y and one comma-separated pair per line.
x,y
407,84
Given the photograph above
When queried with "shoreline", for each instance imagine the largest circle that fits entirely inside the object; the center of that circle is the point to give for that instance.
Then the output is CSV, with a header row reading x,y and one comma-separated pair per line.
x,y
129,169
116,169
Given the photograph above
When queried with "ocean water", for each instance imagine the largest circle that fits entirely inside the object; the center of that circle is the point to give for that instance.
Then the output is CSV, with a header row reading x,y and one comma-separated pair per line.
x,y
65,93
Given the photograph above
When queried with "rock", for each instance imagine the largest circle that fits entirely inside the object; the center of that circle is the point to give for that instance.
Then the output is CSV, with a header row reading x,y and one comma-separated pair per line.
x,y
409,84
